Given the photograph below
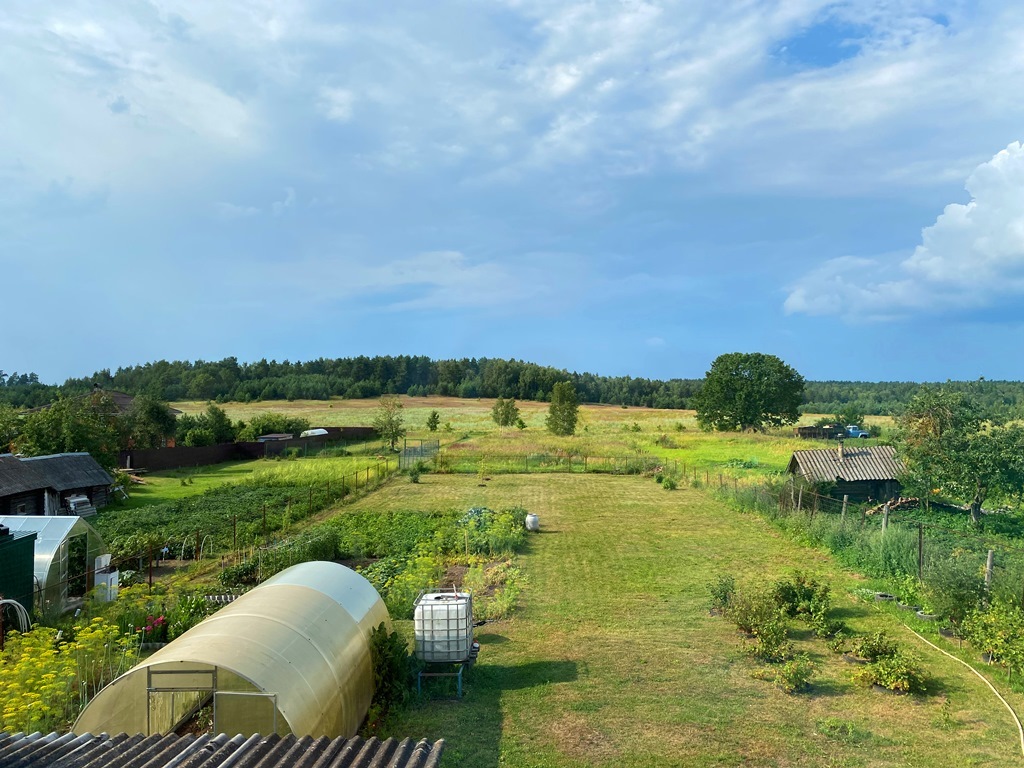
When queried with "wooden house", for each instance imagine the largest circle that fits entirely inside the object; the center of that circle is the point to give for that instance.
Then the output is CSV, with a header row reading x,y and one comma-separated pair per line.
x,y
61,484
862,473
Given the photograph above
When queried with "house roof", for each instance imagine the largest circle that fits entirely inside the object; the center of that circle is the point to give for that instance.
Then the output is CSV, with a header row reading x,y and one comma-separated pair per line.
x,y
824,465
60,471
88,751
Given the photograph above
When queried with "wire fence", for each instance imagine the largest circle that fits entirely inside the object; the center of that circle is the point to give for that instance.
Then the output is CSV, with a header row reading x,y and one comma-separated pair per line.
x,y
916,556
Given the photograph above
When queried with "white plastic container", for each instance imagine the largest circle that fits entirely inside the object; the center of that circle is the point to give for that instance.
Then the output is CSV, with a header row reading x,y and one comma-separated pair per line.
x,y
443,626
532,523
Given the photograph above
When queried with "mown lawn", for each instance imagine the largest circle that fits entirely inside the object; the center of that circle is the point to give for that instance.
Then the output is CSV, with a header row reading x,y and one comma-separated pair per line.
x,y
613,659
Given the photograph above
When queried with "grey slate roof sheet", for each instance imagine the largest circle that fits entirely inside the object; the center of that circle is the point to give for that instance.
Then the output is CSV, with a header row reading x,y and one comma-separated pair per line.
x,y
60,471
123,751
877,462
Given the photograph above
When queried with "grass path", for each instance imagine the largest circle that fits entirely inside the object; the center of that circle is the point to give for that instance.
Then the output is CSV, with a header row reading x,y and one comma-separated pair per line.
x,y
613,659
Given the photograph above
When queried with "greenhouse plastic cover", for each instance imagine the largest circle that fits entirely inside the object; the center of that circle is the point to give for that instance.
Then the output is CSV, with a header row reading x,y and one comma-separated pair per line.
x,y
51,533
291,656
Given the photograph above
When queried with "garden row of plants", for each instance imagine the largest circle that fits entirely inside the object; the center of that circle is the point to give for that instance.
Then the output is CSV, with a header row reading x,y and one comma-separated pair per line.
x,y
951,592
404,552
763,613
240,515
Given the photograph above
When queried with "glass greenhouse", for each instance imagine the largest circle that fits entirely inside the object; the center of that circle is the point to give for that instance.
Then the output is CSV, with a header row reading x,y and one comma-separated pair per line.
x,y
290,657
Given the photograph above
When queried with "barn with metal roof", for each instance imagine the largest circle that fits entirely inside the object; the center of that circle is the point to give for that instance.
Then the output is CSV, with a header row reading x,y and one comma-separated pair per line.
x,y
862,473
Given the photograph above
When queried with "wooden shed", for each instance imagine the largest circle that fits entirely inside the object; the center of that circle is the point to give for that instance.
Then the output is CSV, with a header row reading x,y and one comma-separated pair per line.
x,y
60,484
862,473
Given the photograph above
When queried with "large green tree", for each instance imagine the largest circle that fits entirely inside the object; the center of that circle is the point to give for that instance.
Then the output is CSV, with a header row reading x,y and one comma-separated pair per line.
x,y
388,421
147,423
88,424
748,391
949,446
564,409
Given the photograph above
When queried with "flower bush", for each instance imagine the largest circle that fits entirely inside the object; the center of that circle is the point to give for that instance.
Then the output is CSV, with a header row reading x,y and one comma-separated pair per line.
x,y
46,681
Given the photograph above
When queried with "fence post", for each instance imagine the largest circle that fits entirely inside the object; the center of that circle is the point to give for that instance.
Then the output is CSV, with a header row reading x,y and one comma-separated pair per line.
x,y
920,552
800,501
988,570
846,500
885,517
309,507
150,567
264,523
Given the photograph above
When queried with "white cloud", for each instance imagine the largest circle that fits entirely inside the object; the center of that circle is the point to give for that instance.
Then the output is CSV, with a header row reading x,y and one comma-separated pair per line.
x,y
280,206
971,257
232,211
336,104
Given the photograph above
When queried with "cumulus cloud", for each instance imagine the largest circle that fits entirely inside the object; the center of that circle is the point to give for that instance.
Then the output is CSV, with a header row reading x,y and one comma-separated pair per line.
x,y
972,257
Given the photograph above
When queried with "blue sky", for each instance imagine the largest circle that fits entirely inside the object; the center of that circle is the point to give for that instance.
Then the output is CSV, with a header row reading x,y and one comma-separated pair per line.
x,y
619,187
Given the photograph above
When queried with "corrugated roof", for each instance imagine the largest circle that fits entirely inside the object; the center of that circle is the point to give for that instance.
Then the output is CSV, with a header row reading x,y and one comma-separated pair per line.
x,y
824,465
60,471
88,751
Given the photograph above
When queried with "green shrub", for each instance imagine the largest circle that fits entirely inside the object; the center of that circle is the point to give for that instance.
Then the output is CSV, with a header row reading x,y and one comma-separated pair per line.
x,y
414,475
795,674
392,675
875,646
757,614
898,672
802,596
722,589
955,586
669,484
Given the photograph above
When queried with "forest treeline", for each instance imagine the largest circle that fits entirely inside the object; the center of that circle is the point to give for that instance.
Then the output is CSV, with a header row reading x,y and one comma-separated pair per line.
x,y
361,377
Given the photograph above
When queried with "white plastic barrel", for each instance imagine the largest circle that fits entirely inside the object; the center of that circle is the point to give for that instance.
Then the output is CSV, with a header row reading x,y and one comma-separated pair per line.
x,y
443,626
532,522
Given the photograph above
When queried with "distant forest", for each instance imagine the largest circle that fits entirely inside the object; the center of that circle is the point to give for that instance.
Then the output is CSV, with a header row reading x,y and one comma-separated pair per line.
x,y
361,377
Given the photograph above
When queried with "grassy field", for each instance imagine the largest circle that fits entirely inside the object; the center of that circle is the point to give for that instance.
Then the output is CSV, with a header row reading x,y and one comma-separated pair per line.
x,y
613,658
603,430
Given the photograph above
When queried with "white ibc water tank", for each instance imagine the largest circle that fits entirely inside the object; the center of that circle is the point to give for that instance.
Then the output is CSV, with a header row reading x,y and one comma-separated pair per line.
x,y
443,626
532,522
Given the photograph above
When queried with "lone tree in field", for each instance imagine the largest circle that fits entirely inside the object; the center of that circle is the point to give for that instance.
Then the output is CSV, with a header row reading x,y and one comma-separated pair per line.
x,y
505,412
388,420
564,409
748,391
433,421
947,444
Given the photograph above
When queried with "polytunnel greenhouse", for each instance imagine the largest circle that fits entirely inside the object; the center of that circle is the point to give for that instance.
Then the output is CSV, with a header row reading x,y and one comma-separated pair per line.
x,y
290,657
66,548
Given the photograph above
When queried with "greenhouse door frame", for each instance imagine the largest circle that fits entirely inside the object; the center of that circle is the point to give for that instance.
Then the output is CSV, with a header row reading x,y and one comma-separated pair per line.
x,y
152,689
272,697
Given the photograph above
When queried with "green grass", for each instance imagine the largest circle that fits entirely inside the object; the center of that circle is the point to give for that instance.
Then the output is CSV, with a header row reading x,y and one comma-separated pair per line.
x,y
613,658
160,487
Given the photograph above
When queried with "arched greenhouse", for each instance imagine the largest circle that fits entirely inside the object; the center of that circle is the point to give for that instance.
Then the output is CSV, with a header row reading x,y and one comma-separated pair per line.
x,y
290,657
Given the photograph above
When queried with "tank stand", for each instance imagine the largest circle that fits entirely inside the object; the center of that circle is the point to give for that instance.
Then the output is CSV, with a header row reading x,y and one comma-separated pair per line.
x,y
456,674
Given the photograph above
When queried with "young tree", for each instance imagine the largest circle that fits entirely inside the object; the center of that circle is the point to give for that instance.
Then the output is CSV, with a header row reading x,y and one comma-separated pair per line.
x,y
564,409
748,391
505,412
388,420
433,421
